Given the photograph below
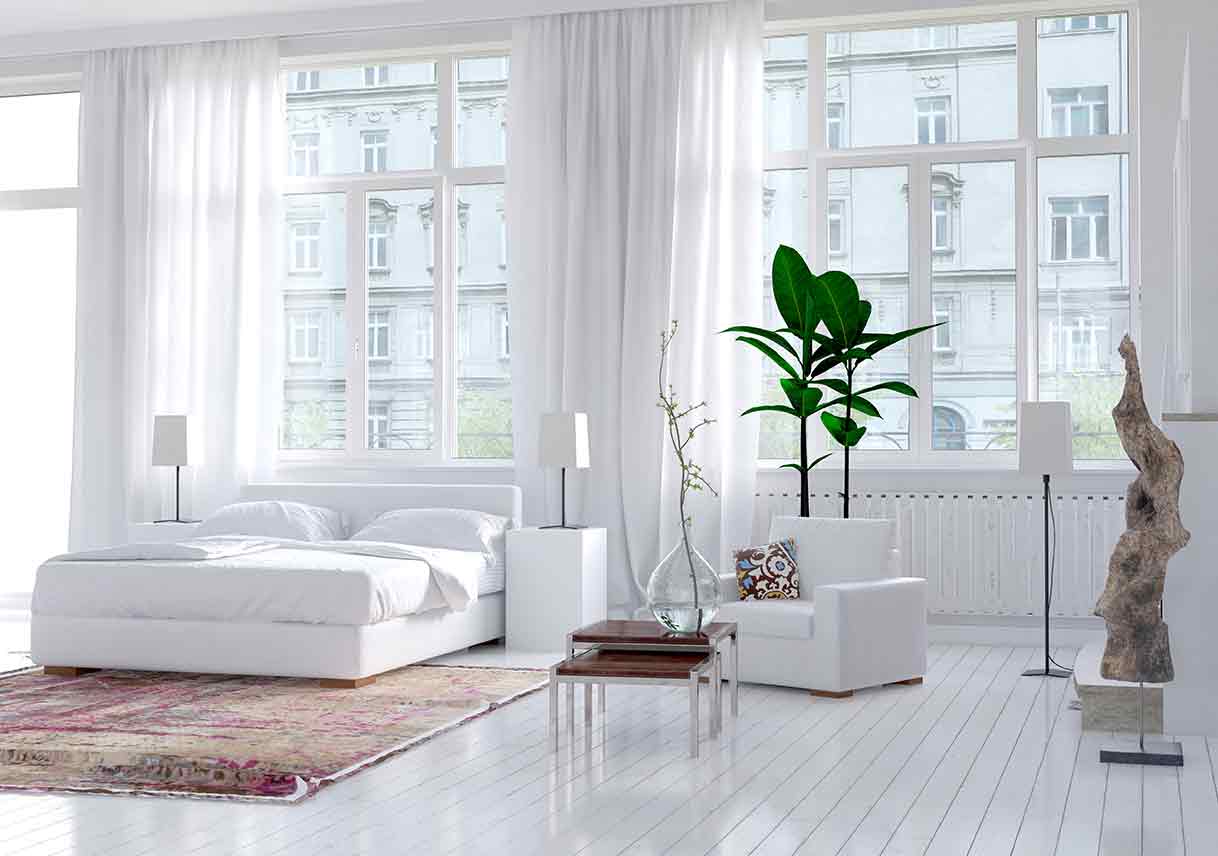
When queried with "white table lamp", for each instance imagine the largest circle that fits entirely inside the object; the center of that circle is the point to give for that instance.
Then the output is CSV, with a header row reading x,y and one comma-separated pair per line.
x,y
1045,438
564,443
169,449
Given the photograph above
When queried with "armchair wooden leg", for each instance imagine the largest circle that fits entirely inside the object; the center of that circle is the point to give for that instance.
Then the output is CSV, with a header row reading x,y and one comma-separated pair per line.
x,y
831,694
908,682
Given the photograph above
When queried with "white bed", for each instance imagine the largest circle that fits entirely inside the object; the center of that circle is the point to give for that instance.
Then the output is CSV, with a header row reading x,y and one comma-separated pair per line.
x,y
257,618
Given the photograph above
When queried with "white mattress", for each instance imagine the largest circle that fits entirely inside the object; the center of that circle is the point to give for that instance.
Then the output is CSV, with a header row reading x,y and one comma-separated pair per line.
x,y
282,585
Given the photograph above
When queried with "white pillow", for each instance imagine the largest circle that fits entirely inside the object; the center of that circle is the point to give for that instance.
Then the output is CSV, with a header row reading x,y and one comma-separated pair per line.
x,y
275,519
449,528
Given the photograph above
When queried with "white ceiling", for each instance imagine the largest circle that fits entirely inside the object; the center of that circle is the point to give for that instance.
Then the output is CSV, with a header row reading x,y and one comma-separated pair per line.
x,y
25,17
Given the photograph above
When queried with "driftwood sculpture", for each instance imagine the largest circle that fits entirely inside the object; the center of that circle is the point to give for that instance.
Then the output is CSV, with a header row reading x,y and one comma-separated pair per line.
x,y
1132,602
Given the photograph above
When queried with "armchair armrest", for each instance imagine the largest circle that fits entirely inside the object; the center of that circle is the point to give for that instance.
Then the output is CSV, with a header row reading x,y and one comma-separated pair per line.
x,y
728,589
875,631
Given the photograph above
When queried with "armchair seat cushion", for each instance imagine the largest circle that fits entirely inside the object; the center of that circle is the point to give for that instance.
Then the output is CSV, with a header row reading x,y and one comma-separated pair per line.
x,y
782,619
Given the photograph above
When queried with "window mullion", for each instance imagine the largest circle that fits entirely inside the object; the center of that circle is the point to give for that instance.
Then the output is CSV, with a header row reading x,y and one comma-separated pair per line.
x,y
921,309
356,306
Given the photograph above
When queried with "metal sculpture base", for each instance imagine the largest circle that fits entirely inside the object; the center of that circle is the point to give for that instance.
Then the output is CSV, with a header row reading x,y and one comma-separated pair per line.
x,y
563,526
1156,753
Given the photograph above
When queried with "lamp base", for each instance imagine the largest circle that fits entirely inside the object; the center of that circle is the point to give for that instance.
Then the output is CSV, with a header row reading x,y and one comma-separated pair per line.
x,y
176,520
1154,753
563,526
1046,673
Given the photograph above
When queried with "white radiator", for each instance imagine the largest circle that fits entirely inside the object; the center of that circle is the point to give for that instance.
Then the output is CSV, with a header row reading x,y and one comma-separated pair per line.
x,y
981,554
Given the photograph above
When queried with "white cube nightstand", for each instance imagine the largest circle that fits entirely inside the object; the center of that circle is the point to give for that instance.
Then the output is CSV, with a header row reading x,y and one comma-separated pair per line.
x,y
159,533
555,584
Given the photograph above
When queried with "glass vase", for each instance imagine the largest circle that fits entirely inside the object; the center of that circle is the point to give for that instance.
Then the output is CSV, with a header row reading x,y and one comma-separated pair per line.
x,y
681,601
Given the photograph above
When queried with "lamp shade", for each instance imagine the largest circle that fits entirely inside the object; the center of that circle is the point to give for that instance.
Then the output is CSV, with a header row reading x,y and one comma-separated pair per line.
x,y
564,440
169,440
1045,436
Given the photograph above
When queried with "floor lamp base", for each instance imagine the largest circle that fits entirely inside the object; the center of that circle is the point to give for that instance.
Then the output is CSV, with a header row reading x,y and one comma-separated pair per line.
x,y
1152,753
1046,673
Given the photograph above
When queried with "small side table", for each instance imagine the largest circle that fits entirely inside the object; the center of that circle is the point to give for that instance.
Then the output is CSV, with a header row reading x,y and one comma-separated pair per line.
x,y
618,651
159,533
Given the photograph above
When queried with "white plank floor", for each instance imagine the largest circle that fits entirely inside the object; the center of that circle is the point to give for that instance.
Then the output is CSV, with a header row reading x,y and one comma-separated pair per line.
x,y
977,760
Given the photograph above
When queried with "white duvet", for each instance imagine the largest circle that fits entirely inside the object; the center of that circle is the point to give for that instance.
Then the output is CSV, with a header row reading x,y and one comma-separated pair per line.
x,y
258,580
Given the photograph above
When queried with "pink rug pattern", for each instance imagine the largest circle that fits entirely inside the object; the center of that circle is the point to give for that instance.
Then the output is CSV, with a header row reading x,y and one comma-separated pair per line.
x,y
254,738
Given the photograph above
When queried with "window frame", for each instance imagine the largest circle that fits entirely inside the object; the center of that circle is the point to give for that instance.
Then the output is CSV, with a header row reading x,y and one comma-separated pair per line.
x,y
1025,150
374,142
442,179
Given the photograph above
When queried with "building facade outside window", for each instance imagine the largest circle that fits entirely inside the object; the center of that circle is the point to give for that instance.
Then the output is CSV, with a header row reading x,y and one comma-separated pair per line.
x,y
1015,228
304,337
410,366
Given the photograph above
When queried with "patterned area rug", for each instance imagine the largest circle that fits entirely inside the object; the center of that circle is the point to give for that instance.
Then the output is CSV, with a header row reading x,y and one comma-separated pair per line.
x,y
230,737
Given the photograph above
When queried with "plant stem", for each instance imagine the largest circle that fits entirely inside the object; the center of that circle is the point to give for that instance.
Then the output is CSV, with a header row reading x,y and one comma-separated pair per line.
x,y
846,465
803,467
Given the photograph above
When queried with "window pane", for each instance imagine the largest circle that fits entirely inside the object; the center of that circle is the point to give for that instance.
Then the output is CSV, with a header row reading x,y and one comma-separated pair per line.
x,y
401,285
878,258
314,299
882,76
785,221
38,136
1084,302
484,395
38,249
1083,60
973,287
335,105
786,93
481,114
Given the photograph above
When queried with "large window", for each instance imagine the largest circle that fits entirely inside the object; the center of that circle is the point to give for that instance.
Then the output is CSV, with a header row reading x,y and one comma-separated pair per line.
x,y
395,295
38,199
948,203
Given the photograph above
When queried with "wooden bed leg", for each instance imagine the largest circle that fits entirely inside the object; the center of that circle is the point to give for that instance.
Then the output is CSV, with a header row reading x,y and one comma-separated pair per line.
x,y
346,683
908,682
67,671
831,694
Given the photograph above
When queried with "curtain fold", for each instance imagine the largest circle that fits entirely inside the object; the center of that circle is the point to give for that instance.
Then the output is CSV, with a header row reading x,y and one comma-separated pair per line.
x,y
634,197
177,261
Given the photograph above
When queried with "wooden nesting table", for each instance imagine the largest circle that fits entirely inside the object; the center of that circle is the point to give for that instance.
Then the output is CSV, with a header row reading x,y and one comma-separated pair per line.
x,y
645,652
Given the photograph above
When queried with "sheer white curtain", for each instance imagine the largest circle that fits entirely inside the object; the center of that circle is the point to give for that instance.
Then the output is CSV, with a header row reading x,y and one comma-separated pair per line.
x,y
634,197
179,172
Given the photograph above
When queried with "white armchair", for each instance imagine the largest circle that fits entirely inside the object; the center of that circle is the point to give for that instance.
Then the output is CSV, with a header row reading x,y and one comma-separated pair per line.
x,y
854,625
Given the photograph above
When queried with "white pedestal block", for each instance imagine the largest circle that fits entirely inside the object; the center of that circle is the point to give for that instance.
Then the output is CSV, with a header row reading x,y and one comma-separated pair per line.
x,y
1190,598
555,584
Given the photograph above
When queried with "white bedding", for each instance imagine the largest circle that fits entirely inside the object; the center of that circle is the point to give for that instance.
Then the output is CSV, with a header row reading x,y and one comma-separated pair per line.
x,y
259,580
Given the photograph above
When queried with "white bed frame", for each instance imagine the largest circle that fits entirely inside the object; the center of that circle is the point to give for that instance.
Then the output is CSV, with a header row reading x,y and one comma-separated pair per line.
x,y
340,655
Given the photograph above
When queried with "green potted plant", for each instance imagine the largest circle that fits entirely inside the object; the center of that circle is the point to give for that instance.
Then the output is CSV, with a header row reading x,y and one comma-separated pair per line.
x,y
807,302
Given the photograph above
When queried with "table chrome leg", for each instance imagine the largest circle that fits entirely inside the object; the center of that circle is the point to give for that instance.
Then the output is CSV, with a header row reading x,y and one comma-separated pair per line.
x,y
604,687
735,675
588,718
717,695
554,708
571,717
695,680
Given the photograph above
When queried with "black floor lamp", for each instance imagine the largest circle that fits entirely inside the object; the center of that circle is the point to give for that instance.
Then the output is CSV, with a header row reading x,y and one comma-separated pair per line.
x,y
1044,435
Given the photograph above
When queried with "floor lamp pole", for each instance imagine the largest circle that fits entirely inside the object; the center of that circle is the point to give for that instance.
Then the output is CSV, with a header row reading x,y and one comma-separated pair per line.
x,y
1047,672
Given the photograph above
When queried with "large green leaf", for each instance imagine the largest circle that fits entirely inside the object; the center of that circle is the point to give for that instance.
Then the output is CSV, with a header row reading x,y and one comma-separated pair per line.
x,y
768,335
864,317
826,365
853,436
892,386
771,408
836,384
837,302
778,359
794,390
791,278
884,340
811,400
856,402
847,432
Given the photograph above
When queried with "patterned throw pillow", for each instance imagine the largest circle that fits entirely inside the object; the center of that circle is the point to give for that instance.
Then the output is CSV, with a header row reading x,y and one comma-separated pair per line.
x,y
769,572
